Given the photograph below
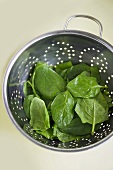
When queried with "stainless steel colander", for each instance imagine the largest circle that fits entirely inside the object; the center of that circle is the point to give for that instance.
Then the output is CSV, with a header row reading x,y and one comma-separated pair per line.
x,y
54,48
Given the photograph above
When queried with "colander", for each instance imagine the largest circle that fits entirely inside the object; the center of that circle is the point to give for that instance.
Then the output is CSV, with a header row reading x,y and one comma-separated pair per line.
x,y
54,48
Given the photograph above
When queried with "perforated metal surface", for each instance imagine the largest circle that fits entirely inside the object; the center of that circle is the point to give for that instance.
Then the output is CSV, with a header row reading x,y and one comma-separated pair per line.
x,y
54,48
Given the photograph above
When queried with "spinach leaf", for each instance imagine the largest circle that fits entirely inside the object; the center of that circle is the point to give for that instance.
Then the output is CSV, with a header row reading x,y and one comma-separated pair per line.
x,y
39,115
77,69
62,109
83,86
108,98
86,73
63,66
26,104
48,82
63,137
64,74
95,73
27,89
92,110
101,99
76,127
48,133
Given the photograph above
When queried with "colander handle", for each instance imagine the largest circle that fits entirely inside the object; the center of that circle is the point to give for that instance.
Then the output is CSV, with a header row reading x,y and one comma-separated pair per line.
x,y
85,16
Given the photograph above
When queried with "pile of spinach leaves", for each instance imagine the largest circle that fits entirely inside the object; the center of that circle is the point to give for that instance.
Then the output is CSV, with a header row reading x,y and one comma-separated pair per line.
x,y
65,102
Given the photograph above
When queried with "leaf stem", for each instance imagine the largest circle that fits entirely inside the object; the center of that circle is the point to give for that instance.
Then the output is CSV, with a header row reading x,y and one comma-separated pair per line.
x,y
93,129
93,124
33,89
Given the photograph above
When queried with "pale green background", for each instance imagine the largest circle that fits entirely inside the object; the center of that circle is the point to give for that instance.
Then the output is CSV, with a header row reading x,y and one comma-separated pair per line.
x,y
21,21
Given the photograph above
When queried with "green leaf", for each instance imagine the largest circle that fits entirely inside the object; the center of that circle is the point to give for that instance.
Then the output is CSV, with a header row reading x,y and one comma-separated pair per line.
x,y
64,74
83,86
62,109
108,99
26,104
86,73
63,66
39,115
92,110
77,69
48,133
95,73
63,137
48,82
77,128
27,89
